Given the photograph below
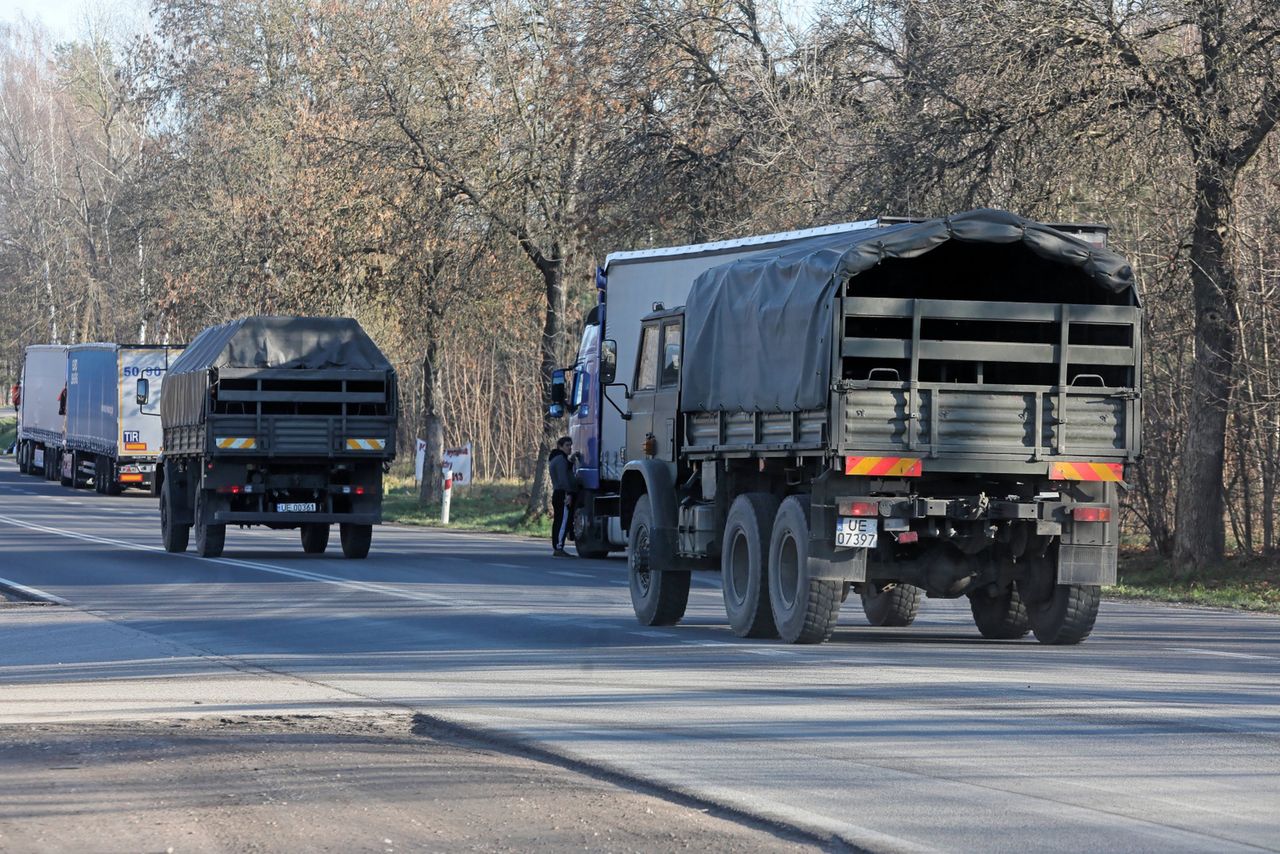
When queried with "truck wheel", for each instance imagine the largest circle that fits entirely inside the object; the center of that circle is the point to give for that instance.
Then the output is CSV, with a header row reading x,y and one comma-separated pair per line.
x,y
805,609
356,539
895,606
78,480
744,562
1067,616
110,486
658,597
315,538
1002,617
175,536
210,538
585,541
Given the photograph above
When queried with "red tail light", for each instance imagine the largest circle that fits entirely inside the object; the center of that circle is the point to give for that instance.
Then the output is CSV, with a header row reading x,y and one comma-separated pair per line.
x,y
1091,514
359,490
845,507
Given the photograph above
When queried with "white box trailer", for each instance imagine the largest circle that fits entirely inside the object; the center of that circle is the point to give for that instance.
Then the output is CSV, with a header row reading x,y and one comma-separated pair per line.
x,y
113,429
41,421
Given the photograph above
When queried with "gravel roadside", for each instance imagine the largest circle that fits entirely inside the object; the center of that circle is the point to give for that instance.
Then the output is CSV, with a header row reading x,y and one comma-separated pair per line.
x,y
323,783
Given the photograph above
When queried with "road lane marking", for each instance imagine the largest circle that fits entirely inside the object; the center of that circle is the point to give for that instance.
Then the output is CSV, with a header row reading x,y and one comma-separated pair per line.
x,y
509,565
1220,653
567,574
450,602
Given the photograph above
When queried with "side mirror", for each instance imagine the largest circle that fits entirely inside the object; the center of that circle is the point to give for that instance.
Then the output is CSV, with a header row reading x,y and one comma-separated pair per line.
x,y
144,391
558,395
608,360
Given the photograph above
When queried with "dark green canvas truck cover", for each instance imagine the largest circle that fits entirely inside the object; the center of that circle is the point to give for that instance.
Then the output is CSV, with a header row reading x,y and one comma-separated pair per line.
x,y
264,342
758,330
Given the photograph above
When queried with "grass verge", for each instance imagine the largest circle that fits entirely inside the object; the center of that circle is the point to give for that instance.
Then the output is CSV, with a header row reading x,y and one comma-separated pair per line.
x,y
495,507
1250,584
8,431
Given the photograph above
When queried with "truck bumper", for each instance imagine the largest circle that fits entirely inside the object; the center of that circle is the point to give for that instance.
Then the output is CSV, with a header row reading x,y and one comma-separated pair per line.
x,y
239,517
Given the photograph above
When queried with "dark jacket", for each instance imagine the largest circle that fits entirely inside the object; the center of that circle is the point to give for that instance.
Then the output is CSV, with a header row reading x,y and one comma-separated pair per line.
x,y
561,472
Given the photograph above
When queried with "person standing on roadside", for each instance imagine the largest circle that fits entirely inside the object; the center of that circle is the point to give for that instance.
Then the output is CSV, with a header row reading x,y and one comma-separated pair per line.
x,y
562,490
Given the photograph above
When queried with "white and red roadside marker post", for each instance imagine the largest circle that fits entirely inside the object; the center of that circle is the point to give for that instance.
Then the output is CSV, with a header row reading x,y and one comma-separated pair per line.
x,y
446,495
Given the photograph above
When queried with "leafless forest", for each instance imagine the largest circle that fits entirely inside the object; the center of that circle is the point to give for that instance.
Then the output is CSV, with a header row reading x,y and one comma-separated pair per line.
x,y
449,172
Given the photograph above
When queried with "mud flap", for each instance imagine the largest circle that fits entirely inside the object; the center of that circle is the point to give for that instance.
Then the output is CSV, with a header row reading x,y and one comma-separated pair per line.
x,y
844,565
1086,564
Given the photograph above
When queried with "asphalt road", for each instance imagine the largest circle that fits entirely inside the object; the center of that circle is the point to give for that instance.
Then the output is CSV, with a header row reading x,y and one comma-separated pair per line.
x,y
1160,733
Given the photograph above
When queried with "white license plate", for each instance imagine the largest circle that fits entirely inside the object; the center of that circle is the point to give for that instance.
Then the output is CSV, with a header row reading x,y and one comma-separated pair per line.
x,y
296,508
857,533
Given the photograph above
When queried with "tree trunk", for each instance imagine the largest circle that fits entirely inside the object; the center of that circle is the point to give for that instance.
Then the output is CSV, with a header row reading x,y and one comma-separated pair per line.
x,y
553,333
1200,534
430,489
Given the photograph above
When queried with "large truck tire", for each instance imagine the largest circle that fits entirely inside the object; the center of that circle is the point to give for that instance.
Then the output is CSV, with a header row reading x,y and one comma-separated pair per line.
x,y
1002,617
78,480
657,597
210,538
1067,616
805,609
586,540
23,453
175,536
896,606
744,565
356,539
315,538
110,486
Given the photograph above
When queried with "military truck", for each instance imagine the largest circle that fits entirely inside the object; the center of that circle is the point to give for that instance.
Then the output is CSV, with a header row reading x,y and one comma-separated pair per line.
x,y
942,408
42,410
287,422
112,430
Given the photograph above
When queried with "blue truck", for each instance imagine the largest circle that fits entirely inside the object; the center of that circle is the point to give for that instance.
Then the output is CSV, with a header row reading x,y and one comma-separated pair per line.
x,y
112,409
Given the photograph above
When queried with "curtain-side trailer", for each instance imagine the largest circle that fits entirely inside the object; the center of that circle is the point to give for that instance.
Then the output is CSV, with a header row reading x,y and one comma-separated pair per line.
x,y
113,430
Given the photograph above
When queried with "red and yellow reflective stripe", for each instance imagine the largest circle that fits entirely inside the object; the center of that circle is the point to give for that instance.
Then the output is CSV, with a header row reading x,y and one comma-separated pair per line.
x,y
366,444
235,442
1112,472
883,466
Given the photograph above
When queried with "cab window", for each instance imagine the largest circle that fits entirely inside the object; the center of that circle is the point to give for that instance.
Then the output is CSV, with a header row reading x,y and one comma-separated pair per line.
x,y
647,370
671,354
580,383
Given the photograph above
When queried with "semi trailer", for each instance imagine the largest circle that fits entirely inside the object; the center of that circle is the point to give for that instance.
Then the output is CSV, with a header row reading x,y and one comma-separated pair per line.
x,y
901,409
41,411
113,432
287,422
